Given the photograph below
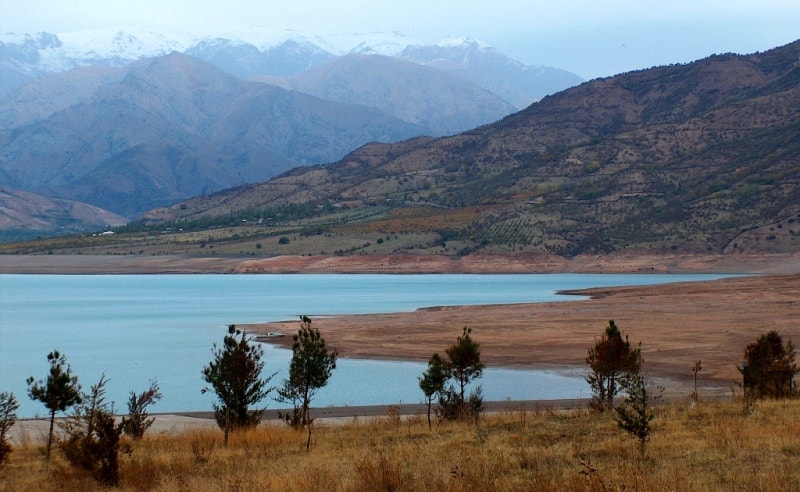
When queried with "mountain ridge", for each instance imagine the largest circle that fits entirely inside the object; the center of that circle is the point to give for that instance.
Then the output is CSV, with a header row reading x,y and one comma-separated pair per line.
x,y
71,100
256,50
209,128
696,157
403,89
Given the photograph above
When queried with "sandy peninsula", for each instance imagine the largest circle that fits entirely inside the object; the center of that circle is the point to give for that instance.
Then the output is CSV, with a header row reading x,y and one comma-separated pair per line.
x,y
677,324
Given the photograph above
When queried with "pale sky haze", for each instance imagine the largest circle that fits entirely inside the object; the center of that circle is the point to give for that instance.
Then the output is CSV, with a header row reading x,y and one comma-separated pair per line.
x,y
591,38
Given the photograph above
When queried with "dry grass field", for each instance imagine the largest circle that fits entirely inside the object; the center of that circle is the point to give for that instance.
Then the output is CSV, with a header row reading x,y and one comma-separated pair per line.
x,y
711,447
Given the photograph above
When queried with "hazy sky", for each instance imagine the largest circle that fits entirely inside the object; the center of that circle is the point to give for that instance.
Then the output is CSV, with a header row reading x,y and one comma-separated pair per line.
x,y
589,37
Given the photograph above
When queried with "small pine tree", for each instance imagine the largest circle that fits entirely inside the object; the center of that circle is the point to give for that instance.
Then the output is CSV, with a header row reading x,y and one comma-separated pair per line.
x,y
432,382
235,377
59,391
463,366
769,368
8,417
310,369
612,362
636,413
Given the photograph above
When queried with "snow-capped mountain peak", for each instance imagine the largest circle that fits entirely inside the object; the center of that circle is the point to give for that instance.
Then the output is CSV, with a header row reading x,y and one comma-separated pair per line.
x,y
253,51
45,52
463,42
121,43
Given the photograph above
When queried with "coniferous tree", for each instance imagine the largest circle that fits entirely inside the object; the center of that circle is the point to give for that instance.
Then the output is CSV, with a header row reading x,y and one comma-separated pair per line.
x,y
310,369
769,367
463,366
612,362
636,412
235,377
433,380
58,391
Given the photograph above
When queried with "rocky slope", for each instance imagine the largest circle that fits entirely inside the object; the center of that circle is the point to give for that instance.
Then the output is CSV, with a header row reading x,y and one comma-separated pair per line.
x,y
698,157
25,215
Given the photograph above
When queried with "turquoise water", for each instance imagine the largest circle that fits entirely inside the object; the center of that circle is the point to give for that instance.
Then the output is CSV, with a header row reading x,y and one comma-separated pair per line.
x,y
134,328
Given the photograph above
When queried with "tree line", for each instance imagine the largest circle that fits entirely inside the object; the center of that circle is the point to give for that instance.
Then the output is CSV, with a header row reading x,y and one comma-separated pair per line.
x,y
94,437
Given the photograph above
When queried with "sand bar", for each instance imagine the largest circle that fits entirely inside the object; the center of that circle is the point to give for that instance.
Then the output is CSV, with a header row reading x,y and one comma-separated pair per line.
x,y
677,325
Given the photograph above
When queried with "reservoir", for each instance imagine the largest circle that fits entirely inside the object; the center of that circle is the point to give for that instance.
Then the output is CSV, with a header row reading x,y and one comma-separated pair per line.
x,y
137,328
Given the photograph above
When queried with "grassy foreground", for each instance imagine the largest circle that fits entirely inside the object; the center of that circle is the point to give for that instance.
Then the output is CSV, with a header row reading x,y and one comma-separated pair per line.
x,y
713,446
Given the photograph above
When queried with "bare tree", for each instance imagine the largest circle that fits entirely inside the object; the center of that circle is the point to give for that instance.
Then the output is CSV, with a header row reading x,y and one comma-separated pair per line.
x,y
696,368
94,437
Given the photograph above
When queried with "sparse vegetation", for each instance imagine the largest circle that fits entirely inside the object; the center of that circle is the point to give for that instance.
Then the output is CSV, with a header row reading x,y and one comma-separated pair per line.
x,y
635,414
712,447
718,176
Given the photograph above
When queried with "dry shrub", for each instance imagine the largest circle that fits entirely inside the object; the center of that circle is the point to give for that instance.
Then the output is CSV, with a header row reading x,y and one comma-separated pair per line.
x,y
383,473
393,414
68,477
318,477
202,449
141,474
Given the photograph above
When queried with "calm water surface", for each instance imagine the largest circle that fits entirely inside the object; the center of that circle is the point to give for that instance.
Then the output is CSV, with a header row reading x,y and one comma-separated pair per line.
x,y
134,328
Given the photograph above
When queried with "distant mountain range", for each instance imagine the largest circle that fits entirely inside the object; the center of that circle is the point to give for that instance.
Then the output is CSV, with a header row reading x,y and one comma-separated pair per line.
x,y
258,51
167,128
700,157
441,102
122,121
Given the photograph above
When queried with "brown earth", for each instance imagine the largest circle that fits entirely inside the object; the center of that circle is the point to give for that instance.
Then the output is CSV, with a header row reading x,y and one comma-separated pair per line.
x,y
677,324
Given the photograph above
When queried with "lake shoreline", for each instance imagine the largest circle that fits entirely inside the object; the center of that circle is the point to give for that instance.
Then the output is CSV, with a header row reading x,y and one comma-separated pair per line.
x,y
173,423
398,263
